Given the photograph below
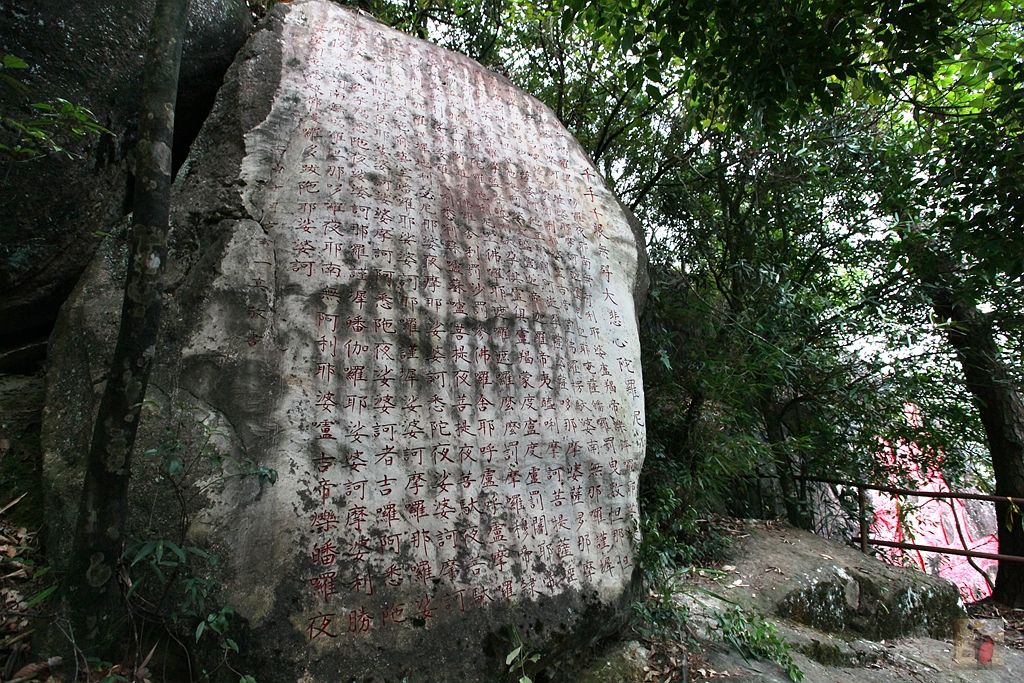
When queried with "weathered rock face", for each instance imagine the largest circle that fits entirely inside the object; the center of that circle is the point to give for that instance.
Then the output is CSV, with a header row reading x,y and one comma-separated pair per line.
x,y
836,589
398,282
89,52
874,603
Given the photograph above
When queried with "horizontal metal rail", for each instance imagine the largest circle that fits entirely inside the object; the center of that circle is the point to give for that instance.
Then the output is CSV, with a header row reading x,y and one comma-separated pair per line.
x,y
911,492
942,551
864,539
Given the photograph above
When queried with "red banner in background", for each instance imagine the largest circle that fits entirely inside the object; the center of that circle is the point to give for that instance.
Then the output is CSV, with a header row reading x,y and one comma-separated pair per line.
x,y
951,523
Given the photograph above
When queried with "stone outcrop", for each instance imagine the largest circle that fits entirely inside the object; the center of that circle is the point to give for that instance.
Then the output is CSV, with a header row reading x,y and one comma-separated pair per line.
x,y
873,601
399,286
843,615
89,52
836,589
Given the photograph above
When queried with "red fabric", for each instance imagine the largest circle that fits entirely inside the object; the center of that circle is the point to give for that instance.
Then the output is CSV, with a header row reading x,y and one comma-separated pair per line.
x,y
931,521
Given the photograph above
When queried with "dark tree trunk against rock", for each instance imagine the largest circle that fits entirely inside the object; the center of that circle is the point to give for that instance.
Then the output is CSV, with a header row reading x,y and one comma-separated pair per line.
x,y
94,597
1001,410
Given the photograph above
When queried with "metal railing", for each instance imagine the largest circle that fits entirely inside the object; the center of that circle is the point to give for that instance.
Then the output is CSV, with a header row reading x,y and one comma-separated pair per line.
x,y
864,539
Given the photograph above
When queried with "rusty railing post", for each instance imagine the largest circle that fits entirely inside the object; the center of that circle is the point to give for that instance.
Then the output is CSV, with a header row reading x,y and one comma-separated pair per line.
x,y
862,504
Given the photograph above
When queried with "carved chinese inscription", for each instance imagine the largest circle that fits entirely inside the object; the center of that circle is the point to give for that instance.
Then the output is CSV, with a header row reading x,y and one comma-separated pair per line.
x,y
452,283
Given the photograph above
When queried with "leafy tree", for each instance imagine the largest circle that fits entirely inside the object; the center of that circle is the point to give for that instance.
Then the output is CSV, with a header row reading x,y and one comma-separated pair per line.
x,y
959,227
768,62
957,223
947,76
767,315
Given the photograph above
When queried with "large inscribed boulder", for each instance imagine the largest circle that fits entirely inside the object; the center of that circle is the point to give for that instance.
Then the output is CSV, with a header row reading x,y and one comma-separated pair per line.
x,y
398,282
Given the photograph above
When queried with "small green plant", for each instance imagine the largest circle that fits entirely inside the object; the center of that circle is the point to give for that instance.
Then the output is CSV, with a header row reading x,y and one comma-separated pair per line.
x,y
38,130
42,595
170,579
178,459
660,616
108,672
674,532
517,658
756,638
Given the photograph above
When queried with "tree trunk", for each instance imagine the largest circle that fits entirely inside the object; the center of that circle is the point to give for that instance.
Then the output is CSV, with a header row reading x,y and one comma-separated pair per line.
x,y
1001,410
96,606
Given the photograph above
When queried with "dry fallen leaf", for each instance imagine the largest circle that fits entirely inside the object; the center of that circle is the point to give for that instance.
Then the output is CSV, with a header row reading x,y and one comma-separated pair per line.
x,y
31,670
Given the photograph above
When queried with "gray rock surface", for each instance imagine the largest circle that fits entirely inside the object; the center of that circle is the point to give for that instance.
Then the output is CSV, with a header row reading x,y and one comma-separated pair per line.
x,y
824,658
625,662
398,282
89,52
840,632
835,589
840,590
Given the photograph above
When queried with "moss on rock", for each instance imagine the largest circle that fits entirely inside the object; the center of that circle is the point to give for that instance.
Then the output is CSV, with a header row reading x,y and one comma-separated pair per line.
x,y
623,663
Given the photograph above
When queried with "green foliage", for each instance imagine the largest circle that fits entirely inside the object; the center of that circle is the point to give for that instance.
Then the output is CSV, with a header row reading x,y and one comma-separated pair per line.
x,y
755,638
675,529
180,456
42,595
518,659
660,616
770,62
759,298
166,562
173,581
39,128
